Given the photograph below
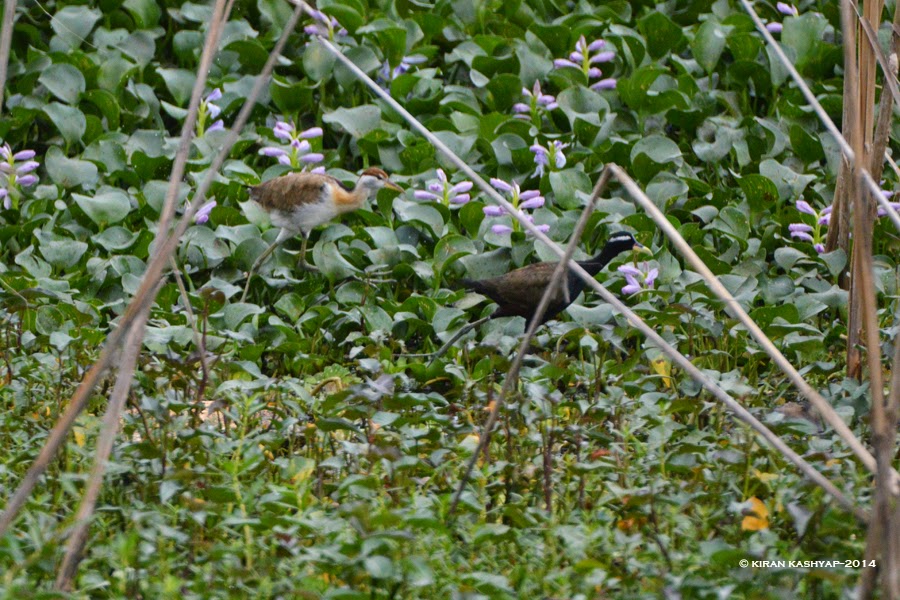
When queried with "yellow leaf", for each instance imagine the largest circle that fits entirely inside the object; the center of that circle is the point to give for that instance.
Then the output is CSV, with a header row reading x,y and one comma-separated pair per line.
x,y
79,436
756,517
662,366
764,477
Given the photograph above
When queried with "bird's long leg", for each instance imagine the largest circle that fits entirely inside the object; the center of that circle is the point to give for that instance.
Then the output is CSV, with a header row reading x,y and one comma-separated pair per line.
x,y
282,235
303,264
440,352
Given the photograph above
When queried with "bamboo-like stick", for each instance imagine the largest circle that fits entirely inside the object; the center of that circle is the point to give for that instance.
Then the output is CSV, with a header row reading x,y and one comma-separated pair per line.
x,y
9,16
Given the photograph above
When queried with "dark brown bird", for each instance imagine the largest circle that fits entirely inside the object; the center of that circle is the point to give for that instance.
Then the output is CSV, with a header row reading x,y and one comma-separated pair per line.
x,y
298,202
519,292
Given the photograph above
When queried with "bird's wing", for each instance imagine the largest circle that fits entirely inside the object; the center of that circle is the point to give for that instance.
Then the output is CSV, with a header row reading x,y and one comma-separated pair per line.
x,y
518,292
289,191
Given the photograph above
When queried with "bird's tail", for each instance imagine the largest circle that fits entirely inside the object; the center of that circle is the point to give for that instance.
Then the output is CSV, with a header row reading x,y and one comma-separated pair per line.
x,y
469,284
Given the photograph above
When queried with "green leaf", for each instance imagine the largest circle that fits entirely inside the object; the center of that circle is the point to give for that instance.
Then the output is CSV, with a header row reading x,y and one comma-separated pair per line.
x,y
145,13
180,83
653,153
634,90
357,121
331,263
570,186
108,205
73,24
661,33
709,43
115,239
70,121
70,172
761,193
318,62
61,253
106,103
64,81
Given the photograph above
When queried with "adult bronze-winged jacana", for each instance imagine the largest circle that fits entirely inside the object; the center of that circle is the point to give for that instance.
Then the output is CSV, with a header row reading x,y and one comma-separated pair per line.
x,y
298,202
519,292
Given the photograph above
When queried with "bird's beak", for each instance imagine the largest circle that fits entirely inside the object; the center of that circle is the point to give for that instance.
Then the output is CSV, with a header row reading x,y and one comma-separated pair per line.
x,y
642,249
392,186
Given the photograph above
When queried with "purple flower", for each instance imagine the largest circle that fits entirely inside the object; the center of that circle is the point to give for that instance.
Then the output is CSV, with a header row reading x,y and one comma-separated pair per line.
x,y
801,231
638,278
542,156
585,56
804,207
325,26
774,27
27,167
521,201
312,132
299,150
16,172
604,84
501,185
820,248
386,74
786,9
536,101
445,192
883,211
272,151
202,215
209,111
560,63
501,229
423,195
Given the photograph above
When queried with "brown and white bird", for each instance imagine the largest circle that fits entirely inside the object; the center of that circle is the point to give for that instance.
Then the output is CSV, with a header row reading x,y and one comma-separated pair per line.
x,y
298,202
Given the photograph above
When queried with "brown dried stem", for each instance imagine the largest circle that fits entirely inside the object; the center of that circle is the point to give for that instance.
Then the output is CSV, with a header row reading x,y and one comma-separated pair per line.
x,y
6,30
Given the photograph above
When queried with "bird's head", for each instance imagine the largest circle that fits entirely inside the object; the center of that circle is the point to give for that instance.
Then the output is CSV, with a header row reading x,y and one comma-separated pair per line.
x,y
373,179
622,242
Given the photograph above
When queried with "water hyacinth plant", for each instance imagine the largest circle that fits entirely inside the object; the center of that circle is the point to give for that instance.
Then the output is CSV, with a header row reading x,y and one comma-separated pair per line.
x,y
325,26
639,278
299,151
522,201
387,74
585,58
202,215
444,192
811,233
208,111
536,103
785,9
16,172
542,156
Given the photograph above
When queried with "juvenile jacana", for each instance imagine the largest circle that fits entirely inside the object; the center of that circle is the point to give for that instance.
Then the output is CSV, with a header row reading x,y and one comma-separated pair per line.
x,y
519,292
298,202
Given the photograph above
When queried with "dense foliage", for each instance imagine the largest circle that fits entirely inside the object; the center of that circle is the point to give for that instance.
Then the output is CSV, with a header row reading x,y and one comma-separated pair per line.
x,y
315,457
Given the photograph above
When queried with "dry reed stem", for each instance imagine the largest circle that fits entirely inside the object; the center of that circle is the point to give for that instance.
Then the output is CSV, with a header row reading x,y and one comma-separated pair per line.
x,y
6,30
